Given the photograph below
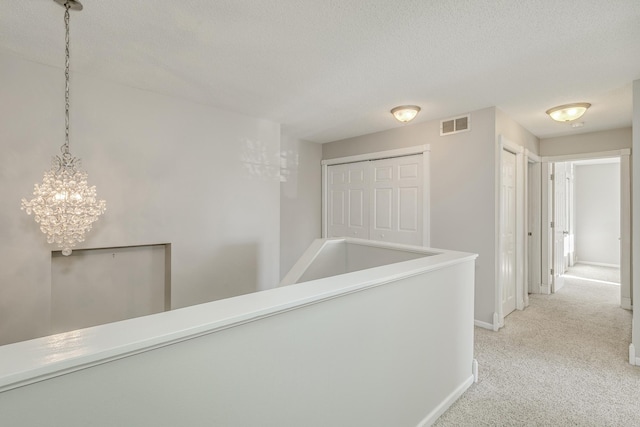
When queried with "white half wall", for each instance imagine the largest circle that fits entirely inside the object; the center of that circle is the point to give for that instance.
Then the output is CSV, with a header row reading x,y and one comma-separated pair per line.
x,y
597,213
203,179
300,198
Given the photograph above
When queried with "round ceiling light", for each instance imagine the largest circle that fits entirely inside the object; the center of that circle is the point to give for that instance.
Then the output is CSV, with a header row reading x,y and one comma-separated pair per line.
x,y
568,112
405,113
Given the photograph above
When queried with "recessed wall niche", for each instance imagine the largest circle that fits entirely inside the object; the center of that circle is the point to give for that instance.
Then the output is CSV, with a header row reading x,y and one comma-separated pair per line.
x,y
97,286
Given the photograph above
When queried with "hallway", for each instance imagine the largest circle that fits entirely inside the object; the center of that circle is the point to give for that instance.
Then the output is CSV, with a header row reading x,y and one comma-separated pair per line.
x,y
561,361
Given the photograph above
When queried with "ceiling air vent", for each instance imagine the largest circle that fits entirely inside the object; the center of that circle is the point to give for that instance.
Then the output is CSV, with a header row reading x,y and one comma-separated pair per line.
x,y
455,125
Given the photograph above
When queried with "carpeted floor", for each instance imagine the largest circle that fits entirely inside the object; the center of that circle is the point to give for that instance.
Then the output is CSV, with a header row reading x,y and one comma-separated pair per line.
x,y
563,361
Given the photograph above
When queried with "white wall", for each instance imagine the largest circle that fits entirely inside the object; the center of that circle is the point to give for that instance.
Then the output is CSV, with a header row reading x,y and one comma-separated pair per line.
x,y
514,132
171,171
462,189
597,213
300,201
608,140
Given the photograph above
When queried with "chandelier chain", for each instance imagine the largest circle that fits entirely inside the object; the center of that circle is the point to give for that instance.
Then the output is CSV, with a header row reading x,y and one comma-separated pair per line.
x,y
65,147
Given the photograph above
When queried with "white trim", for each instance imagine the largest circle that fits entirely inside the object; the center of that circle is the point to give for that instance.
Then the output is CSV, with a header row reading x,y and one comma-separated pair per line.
x,y
525,228
325,204
399,152
446,403
483,325
546,239
625,230
532,157
626,303
474,370
633,360
426,197
598,264
497,322
587,156
626,290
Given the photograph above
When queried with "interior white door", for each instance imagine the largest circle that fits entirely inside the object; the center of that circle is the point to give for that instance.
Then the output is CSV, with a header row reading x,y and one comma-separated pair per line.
x,y
560,231
569,240
396,200
508,233
348,191
534,227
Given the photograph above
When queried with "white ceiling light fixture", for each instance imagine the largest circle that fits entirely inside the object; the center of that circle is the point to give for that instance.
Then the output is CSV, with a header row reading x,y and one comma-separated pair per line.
x,y
405,113
568,112
64,205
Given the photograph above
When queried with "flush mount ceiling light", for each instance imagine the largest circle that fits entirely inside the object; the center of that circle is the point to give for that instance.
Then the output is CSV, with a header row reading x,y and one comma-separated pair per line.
x,y
405,113
64,205
569,112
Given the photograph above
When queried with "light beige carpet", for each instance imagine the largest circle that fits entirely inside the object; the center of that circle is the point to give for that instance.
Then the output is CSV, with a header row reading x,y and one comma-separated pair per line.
x,y
563,361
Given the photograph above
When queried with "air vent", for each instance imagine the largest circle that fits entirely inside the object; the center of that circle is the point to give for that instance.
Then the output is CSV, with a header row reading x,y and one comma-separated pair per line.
x,y
455,125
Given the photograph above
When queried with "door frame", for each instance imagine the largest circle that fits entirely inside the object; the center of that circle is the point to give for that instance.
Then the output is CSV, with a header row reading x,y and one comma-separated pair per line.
x,y
425,150
522,298
626,296
534,233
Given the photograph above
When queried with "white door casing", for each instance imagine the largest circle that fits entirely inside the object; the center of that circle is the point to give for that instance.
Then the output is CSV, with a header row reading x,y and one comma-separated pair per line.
x,y
626,296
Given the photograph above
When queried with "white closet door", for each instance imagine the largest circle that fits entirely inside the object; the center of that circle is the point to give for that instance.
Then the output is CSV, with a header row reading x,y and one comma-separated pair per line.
x,y
348,190
377,200
396,200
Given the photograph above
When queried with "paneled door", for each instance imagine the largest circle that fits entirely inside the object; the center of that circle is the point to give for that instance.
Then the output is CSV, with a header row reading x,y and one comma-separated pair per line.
x,y
377,200
396,200
349,200
560,226
508,233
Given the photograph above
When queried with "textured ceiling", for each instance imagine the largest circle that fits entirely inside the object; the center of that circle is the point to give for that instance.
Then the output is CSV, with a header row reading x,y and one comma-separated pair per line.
x,y
328,70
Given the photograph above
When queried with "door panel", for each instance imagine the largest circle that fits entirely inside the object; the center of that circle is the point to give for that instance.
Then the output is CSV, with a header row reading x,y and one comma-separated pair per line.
x,y
408,209
559,225
348,199
397,208
508,233
383,201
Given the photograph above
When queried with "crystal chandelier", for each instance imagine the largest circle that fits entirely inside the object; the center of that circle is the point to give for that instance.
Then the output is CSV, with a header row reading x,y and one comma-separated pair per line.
x,y
64,205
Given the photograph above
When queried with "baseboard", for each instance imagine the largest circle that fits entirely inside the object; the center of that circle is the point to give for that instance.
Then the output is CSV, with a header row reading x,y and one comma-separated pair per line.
x,y
483,325
545,289
497,322
598,264
626,303
444,405
633,357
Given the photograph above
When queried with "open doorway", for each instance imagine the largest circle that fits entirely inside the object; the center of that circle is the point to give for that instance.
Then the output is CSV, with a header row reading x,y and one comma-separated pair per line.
x,y
594,214
589,229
